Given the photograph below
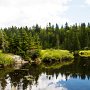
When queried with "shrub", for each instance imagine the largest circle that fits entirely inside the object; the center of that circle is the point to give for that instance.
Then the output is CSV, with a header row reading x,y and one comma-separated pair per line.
x,y
34,54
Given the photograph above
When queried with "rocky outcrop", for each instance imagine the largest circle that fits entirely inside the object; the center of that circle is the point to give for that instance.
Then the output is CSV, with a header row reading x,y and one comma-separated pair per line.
x,y
18,59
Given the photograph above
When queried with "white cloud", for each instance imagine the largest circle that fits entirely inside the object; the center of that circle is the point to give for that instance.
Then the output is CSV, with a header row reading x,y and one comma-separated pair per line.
x,y
87,2
44,83
29,12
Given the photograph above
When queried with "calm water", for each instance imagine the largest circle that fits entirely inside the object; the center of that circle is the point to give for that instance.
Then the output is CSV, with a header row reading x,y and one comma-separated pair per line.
x,y
75,76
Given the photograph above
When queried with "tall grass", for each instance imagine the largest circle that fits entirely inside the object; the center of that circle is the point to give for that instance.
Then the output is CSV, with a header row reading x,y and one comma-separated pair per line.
x,y
5,59
56,55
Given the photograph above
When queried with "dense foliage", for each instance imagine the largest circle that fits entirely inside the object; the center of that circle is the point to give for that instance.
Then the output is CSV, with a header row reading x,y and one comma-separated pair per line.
x,y
23,40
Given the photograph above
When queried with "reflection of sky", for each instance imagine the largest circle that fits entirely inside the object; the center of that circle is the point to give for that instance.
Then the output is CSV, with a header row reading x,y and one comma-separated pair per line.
x,y
8,84
50,83
77,84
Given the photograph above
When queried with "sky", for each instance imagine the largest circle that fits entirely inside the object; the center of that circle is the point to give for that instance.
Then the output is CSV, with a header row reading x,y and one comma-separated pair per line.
x,y
31,12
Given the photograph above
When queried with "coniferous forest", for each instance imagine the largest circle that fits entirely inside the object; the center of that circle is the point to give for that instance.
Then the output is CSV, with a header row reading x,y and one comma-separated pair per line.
x,y
21,40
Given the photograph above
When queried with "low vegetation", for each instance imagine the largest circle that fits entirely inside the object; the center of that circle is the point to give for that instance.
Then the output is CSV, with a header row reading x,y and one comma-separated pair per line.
x,y
5,59
52,55
84,53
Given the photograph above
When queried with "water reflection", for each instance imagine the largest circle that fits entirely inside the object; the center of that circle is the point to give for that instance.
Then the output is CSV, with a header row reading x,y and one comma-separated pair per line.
x,y
69,77
46,82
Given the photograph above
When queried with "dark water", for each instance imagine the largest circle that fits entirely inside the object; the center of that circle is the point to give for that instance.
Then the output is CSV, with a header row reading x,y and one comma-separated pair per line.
x,y
75,76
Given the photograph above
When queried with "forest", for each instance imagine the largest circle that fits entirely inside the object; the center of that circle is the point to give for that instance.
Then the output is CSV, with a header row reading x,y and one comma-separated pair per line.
x,y
23,40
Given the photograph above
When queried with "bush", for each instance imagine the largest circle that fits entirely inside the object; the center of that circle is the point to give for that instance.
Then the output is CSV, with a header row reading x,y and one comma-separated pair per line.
x,y
34,54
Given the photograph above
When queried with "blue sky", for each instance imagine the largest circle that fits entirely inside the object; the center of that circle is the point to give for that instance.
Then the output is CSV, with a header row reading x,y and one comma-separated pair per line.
x,y
79,11
30,12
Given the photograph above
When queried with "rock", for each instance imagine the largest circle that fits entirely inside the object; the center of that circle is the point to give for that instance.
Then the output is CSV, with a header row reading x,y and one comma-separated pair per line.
x,y
18,59
37,61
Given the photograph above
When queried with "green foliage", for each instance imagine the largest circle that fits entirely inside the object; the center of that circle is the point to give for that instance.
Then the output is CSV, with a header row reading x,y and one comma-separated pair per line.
x,y
84,53
23,40
56,55
6,59
34,54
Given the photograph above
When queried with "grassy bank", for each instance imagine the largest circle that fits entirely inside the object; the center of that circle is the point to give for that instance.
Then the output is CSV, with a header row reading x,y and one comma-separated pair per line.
x,y
5,59
84,53
48,56
56,55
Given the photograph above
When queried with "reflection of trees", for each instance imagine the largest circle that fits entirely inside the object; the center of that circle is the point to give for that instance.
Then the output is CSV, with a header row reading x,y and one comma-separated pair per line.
x,y
3,83
18,77
25,84
3,76
80,67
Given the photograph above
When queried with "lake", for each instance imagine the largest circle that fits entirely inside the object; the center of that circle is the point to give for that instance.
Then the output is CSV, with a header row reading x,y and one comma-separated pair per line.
x,y
75,76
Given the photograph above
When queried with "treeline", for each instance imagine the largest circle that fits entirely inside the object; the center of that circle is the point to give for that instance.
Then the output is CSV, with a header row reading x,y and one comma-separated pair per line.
x,y
24,40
